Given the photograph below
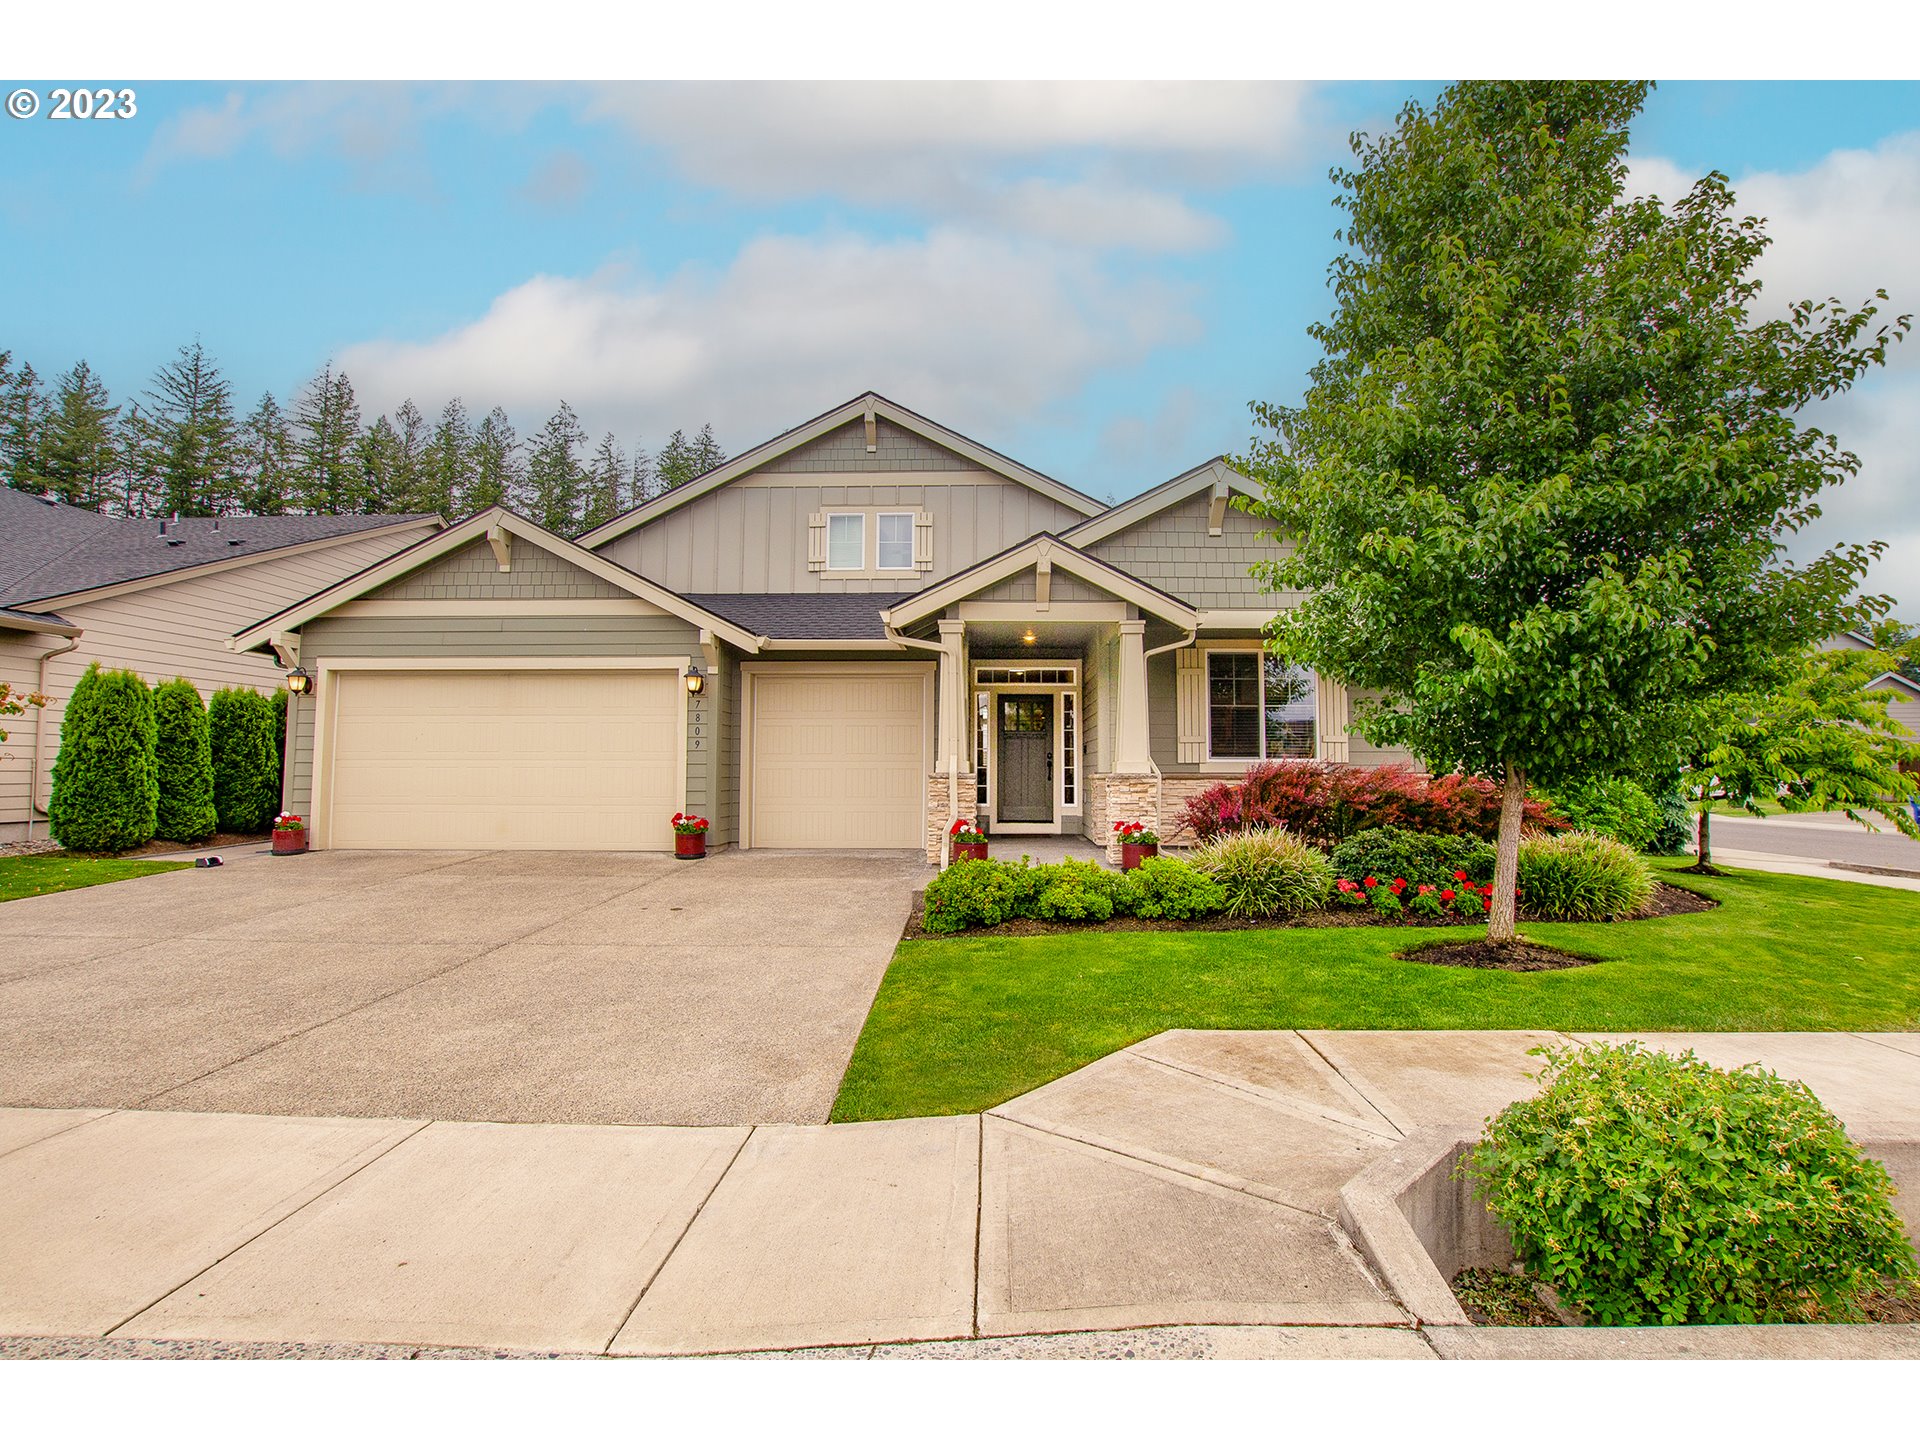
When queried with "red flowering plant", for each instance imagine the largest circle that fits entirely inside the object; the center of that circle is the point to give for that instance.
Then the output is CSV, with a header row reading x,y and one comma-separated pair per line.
x,y
287,820
965,832
1132,832
688,824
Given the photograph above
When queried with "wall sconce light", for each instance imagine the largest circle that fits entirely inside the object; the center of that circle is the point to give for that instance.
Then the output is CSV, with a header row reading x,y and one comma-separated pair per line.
x,y
299,682
696,682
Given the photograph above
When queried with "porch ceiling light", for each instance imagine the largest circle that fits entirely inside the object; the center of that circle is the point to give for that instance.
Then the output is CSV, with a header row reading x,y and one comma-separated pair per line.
x,y
1028,638
696,682
299,682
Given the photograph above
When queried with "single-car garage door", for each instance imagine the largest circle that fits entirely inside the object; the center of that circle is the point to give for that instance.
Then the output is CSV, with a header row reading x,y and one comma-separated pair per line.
x,y
503,759
840,758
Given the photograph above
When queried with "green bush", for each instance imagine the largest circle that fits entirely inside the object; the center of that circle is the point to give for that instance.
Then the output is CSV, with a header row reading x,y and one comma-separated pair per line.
x,y
1264,873
246,767
1578,876
1163,888
974,892
1674,833
183,763
1389,853
105,796
1654,1189
1618,808
1075,890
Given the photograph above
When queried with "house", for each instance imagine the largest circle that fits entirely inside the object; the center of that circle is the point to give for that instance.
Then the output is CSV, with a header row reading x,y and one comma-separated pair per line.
x,y
1904,706
159,597
845,638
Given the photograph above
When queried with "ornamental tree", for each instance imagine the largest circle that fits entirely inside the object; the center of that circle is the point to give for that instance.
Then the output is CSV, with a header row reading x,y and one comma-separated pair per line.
x,y
246,767
16,702
1538,486
105,796
183,759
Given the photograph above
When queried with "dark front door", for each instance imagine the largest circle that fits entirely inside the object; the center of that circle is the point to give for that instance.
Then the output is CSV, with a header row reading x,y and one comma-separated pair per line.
x,y
1026,759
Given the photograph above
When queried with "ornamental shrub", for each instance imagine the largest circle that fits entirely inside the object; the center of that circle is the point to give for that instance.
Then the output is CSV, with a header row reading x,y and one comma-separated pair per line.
x,y
183,763
246,767
1674,832
1265,873
1618,808
1075,890
1578,876
1327,803
105,796
1389,852
1163,888
975,892
1651,1189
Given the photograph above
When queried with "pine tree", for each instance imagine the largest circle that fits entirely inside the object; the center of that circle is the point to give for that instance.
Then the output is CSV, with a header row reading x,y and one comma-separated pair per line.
x,y
376,463
707,454
642,487
494,477
606,485
448,467
81,450
138,492
411,438
266,459
23,419
674,465
190,437
553,472
326,427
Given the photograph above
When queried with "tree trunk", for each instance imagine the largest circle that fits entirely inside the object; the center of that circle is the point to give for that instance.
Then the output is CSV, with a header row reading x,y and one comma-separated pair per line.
x,y
1703,860
1506,864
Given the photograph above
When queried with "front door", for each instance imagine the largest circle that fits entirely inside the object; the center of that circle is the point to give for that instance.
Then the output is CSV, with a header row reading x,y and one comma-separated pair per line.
x,y
1026,759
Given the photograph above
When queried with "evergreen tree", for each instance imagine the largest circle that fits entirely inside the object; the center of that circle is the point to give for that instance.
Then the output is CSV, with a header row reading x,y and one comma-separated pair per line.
x,y
81,452
675,464
23,420
246,766
606,485
643,486
105,796
494,473
410,486
183,763
326,421
266,459
188,433
377,467
707,454
448,468
138,492
553,472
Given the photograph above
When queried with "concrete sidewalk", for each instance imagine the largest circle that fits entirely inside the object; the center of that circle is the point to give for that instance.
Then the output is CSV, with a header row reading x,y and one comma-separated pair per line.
x,y
1175,1198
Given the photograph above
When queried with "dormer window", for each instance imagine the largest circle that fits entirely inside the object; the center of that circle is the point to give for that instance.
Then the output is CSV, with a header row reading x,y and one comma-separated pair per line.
x,y
847,542
894,543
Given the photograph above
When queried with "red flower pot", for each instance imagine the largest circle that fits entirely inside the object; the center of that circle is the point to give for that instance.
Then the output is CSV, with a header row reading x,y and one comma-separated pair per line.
x,y
289,842
690,847
1132,855
969,852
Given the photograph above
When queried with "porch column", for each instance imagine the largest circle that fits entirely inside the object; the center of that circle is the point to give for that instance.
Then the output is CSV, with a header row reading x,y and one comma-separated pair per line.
x,y
952,693
1131,752
950,786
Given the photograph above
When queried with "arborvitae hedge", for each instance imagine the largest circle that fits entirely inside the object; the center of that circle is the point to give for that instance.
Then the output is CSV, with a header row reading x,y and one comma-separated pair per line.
x,y
105,794
246,766
183,755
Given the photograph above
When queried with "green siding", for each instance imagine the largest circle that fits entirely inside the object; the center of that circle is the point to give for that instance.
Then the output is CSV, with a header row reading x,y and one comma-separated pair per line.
x,y
472,573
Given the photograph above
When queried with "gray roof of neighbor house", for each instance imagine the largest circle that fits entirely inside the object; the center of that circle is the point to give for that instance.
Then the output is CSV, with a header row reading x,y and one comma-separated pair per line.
x,y
804,617
48,549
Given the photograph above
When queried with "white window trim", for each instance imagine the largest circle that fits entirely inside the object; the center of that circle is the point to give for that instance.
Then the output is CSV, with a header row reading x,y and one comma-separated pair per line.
x,y
860,566
912,517
1229,647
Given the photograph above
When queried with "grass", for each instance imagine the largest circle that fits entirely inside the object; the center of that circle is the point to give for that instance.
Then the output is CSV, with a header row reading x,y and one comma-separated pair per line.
x,y
23,875
960,1025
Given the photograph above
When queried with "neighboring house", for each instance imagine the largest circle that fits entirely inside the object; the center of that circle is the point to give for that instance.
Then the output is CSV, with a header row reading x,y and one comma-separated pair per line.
x,y
887,624
157,597
1905,704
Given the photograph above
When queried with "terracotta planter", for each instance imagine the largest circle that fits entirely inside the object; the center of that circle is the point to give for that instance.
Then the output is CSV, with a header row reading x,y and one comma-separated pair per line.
x,y
969,852
1132,855
690,847
289,842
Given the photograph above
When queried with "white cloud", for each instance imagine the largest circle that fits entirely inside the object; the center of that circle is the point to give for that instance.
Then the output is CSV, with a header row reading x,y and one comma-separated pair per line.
x,y
979,331
559,182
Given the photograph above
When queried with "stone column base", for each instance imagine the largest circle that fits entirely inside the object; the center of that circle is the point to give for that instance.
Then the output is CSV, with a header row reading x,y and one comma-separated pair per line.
x,y
1114,800
941,813
1175,791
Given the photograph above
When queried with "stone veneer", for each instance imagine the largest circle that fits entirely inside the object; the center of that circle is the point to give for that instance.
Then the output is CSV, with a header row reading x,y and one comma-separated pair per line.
x,y
1112,799
1175,791
940,815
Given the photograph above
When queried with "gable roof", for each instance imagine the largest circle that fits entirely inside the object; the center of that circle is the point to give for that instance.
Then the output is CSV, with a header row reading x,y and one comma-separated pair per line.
x,y
53,551
478,527
1894,680
874,403
1057,552
35,623
1213,476
806,617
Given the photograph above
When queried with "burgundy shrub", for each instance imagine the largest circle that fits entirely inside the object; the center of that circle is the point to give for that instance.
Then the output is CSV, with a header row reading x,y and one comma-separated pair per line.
x,y
1325,803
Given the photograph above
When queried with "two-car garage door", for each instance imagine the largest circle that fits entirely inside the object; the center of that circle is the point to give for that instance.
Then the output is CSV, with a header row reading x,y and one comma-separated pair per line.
x,y
503,759
839,757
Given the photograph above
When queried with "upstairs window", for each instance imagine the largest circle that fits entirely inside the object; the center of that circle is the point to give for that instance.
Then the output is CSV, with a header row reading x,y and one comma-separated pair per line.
x,y
847,542
894,541
1258,707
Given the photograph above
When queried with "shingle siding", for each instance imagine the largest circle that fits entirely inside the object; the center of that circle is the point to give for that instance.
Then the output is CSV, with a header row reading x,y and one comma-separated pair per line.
x,y
1172,550
845,450
472,573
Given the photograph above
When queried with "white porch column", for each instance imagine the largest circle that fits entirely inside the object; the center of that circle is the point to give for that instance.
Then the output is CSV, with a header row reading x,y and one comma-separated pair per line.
x,y
1131,752
952,693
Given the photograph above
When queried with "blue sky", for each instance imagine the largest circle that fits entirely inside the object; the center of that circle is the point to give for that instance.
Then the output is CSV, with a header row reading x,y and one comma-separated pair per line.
x,y
1095,279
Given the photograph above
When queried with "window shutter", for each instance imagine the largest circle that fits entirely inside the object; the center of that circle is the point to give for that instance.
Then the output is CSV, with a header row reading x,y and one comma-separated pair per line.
x,y
923,541
1190,704
817,540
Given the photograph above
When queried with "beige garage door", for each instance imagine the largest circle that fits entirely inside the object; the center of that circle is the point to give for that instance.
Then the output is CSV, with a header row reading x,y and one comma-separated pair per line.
x,y
840,759
504,759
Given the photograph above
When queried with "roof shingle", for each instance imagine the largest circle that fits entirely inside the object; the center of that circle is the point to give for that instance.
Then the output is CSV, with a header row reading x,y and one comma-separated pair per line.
x,y
805,617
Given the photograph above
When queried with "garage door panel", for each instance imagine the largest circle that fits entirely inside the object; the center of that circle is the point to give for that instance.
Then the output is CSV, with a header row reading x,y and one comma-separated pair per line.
x,y
530,760
839,760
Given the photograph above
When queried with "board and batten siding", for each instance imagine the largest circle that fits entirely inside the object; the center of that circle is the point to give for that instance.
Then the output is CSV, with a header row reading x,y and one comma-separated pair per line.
x,y
750,535
1173,551
178,627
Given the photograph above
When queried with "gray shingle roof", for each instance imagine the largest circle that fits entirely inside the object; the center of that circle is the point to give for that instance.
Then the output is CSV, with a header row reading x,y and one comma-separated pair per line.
x,y
49,549
804,617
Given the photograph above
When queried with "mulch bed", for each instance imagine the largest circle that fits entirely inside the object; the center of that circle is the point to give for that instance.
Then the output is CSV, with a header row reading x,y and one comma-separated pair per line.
x,y
1667,900
1494,1297
1516,955
176,847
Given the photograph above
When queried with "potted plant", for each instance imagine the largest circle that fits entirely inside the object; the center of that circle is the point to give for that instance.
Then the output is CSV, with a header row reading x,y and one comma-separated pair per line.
x,y
689,837
968,841
1137,842
289,834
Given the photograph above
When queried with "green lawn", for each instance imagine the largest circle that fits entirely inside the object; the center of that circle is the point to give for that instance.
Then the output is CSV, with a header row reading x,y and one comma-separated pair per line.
x,y
23,875
960,1025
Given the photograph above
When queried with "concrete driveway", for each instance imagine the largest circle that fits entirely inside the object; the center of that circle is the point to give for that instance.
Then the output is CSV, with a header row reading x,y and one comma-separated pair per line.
x,y
593,988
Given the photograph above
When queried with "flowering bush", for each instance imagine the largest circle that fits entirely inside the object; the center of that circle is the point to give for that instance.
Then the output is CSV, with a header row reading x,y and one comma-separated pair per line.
x,y
688,824
1422,859
965,832
287,820
1132,832
1326,803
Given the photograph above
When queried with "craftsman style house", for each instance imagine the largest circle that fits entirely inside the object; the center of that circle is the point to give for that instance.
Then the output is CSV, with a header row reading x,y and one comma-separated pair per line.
x,y
845,638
